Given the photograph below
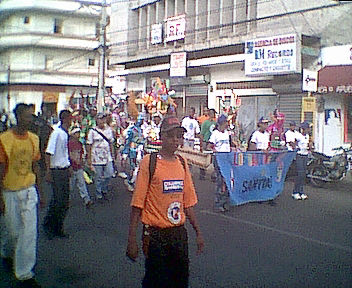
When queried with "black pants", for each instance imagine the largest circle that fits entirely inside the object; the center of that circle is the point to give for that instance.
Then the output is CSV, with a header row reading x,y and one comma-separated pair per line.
x,y
167,264
54,220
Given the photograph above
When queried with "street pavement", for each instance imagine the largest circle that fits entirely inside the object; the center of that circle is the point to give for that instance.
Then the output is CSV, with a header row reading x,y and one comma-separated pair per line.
x,y
293,244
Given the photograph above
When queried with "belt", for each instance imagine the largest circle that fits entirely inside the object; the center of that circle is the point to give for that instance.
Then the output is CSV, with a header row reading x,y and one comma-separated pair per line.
x,y
60,168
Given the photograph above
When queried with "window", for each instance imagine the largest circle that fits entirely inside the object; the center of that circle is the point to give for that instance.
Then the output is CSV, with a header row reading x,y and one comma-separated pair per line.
x,y
91,62
58,26
26,20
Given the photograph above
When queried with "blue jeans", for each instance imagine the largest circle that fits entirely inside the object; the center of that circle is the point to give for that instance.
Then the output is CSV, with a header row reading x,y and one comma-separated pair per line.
x,y
221,193
103,174
77,181
301,166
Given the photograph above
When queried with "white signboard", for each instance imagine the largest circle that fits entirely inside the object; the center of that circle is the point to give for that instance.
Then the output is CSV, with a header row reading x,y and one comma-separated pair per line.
x,y
273,55
175,28
310,80
156,34
337,55
178,62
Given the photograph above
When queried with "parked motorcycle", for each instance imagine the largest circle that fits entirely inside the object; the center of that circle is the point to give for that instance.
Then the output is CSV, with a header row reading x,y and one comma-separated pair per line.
x,y
322,168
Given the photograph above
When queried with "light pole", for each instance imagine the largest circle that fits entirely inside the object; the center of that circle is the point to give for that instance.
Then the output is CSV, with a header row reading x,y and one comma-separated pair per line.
x,y
102,40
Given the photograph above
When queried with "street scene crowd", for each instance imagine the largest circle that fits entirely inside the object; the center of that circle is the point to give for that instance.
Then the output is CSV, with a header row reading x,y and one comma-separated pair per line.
x,y
86,147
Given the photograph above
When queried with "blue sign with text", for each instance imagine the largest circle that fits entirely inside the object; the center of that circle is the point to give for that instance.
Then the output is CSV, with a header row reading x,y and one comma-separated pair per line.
x,y
254,176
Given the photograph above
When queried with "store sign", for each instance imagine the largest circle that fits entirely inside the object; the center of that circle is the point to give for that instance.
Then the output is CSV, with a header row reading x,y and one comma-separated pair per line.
x,y
157,34
273,55
310,80
178,62
175,28
337,55
50,97
337,89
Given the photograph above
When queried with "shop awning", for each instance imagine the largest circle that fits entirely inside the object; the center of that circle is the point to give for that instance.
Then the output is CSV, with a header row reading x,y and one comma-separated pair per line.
x,y
335,79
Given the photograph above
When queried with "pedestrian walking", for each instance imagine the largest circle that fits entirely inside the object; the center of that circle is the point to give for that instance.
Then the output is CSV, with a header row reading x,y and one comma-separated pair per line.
x,y
75,149
19,172
303,145
220,141
58,174
162,201
207,129
100,153
192,128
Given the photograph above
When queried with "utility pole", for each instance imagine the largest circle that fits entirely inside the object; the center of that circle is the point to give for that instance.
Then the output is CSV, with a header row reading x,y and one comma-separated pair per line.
x,y
8,88
102,50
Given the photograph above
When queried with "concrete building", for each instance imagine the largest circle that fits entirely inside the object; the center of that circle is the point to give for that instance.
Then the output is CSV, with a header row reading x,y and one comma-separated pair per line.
x,y
252,50
48,51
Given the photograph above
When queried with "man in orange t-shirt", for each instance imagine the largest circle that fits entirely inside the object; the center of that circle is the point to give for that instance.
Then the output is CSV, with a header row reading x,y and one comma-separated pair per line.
x,y
162,204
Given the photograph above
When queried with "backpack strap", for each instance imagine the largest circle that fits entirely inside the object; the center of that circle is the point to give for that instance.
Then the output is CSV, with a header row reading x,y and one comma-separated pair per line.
x,y
152,164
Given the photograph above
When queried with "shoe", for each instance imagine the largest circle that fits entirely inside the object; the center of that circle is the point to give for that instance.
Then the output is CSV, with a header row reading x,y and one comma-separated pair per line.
x,y
32,283
296,196
123,175
304,196
48,233
88,203
272,203
99,197
130,187
7,263
220,209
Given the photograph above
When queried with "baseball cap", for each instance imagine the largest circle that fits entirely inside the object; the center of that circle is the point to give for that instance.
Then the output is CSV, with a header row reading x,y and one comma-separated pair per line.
x,y
292,123
305,125
263,120
100,115
222,119
170,123
75,130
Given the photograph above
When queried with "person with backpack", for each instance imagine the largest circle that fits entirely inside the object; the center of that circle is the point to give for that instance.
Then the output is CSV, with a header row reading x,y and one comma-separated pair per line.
x,y
163,198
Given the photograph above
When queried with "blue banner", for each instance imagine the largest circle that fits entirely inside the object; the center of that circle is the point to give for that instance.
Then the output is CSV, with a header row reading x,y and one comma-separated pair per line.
x,y
254,176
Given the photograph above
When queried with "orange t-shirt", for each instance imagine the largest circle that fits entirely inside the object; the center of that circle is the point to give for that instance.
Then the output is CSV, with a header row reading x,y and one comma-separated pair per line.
x,y
170,191
202,119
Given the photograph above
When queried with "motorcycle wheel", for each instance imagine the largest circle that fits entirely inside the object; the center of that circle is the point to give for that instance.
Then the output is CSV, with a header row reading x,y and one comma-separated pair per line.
x,y
317,171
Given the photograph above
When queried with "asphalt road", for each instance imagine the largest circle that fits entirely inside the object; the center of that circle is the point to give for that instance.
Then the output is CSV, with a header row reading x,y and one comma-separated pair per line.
x,y
293,244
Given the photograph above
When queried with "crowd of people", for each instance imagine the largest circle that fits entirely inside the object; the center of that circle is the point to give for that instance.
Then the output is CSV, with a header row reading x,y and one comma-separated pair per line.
x,y
87,144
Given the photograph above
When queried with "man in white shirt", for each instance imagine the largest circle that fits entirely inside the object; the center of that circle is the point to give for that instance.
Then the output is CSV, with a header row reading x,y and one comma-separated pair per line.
x,y
192,128
100,154
260,139
58,164
303,145
290,136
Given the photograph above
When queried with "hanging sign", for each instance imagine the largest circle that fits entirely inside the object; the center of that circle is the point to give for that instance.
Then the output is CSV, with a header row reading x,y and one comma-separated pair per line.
x,y
175,28
310,80
157,34
178,63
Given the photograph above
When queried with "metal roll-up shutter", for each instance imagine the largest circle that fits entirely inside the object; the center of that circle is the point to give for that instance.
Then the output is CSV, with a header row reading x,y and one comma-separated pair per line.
x,y
291,106
197,90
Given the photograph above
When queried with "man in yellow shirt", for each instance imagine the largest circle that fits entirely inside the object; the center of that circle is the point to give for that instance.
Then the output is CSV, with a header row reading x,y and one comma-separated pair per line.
x,y
19,153
162,202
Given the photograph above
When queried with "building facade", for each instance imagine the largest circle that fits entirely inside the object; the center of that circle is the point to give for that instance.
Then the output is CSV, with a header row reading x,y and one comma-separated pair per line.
x,y
219,37
48,52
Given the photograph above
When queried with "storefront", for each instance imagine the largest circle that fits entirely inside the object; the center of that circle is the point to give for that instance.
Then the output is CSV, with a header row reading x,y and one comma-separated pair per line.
x,y
335,112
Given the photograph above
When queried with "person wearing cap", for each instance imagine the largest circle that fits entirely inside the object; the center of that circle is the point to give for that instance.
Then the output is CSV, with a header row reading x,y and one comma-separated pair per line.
x,y
259,141
290,136
220,141
58,173
162,204
303,147
100,153
75,149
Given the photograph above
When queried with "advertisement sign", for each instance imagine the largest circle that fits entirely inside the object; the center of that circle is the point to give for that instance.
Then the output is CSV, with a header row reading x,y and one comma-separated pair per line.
x,y
178,62
175,28
156,33
310,80
337,55
273,55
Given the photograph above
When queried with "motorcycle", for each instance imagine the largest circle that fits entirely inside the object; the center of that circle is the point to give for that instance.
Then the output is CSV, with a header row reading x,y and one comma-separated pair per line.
x,y
323,169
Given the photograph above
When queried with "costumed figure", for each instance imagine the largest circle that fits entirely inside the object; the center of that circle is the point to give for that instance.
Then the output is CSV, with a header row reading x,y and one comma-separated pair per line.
x,y
133,150
276,130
